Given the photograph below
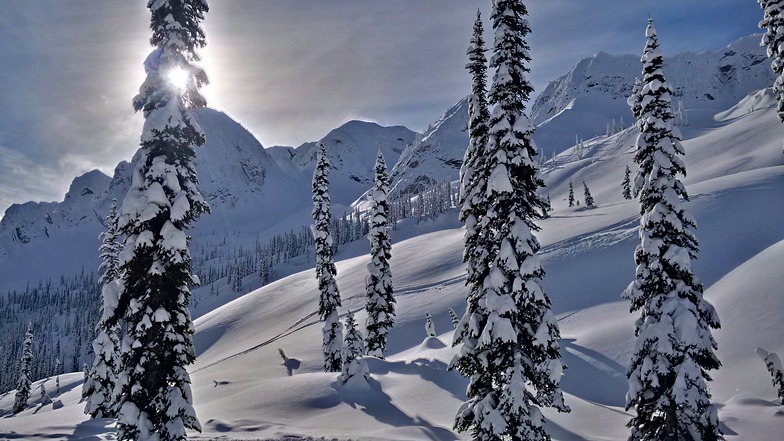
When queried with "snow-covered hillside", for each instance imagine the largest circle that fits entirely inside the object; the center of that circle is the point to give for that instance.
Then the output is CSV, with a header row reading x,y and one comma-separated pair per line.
x,y
244,389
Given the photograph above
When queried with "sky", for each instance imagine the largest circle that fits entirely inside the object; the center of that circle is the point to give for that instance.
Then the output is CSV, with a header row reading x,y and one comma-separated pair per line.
x,y
288,70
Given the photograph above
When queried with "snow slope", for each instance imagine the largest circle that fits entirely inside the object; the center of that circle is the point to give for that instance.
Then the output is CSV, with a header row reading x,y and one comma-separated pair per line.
x,y
244,390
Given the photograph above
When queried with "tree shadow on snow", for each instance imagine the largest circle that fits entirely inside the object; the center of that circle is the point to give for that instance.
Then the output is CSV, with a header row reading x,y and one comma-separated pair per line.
x,y
433,371
374,402
593,376
92,430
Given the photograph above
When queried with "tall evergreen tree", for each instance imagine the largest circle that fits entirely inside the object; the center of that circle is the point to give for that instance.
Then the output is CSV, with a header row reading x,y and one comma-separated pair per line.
x,y
110,248
675,349
773,24
355,367
627,183
512,358
156,400
329,300
571,194
588,196
380,303
473,182
98,390
23,384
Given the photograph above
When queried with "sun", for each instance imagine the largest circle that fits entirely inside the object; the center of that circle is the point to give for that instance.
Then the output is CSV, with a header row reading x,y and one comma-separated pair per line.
x,y
178,78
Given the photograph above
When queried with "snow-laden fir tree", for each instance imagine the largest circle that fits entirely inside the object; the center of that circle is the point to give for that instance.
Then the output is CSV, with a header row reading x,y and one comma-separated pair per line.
x,y
329,300
668,371
512,357
571,194
773,363
156,402
98,390
454,318
380,304
473,184
588,197
110,248
548,207
773,38
58,366
23,384
355,367
627,183
430,328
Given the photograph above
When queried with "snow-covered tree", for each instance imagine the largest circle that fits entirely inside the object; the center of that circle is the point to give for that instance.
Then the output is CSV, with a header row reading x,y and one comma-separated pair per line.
x,y
156,400
668,371
380,304
23,384
473,184
588,197
627,183
773,363
98,390
773,25
110,248
329,300
58,366
454,318
571,194
430,328
511,354
355,367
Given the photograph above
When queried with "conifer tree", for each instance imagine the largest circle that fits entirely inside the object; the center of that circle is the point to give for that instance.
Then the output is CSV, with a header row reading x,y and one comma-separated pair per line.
x,y
380,303
473,184
627,184
23,384
110,248
588,197
354,365
156,400
775,369
329,300
98,390
512,358
773,25
454,318
668,372
430,328
571,194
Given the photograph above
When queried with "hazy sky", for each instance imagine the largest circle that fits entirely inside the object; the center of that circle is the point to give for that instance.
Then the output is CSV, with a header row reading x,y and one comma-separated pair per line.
x,y
288,70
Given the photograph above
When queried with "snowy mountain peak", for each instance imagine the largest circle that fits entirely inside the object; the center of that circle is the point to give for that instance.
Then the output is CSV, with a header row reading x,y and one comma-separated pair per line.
x,y
91,185
593,93
437,154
